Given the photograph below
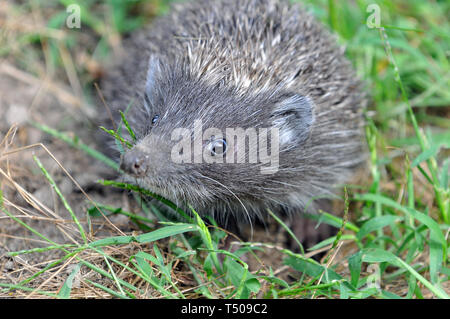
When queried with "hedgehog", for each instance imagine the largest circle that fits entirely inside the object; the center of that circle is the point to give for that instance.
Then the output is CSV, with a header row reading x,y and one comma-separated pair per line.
x,y
261,67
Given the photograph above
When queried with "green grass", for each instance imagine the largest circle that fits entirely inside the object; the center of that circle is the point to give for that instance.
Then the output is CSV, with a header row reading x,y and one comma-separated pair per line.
x,y
397,218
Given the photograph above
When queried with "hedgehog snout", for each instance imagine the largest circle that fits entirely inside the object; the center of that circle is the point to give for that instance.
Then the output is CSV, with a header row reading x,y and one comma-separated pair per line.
x,y
134,162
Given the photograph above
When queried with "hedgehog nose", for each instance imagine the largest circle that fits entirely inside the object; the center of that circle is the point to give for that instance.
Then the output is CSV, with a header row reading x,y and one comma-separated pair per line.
x,y
134,163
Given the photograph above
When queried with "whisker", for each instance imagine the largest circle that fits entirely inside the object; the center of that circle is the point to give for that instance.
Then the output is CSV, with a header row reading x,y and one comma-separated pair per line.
x,y
232,193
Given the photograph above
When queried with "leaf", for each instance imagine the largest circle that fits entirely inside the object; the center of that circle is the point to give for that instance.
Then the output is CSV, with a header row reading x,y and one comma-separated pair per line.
x,y
208,265
165,269
127,125
118,240
146,192
313,269
108,290
427,154
165,232
446,271
443,179
389,295
66,289
376,223
206,237
344,291
94,212
376,255
117,137
186,254
144,267
147,271
435,231
332,220
253,285
145,238
239,275
234,271
436,252
354,265
147,256
275,280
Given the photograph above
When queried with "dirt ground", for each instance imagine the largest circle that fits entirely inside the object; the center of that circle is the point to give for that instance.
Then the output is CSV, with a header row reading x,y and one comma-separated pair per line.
x,y
24,98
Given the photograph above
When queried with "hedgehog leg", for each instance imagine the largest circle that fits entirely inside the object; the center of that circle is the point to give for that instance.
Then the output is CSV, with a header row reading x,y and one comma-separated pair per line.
x,y
309,233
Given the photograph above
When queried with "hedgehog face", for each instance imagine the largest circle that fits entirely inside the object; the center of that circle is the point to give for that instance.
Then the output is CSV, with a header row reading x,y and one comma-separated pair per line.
x,y
202,142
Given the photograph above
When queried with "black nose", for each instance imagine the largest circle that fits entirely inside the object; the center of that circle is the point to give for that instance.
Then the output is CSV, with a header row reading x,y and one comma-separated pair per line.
x,y
134,163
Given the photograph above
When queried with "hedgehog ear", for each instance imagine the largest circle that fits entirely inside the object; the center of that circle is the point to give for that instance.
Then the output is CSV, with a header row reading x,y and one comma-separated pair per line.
x,y
294,117
154,70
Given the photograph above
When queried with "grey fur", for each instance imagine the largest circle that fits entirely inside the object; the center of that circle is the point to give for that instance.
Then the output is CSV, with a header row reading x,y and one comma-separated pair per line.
x,y
241,63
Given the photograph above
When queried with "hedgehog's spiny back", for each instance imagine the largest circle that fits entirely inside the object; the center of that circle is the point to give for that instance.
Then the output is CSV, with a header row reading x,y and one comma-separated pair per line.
x,y
250,45
261,45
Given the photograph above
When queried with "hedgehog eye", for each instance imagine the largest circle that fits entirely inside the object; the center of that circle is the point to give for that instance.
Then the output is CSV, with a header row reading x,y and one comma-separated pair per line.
x,y
155,119
218,147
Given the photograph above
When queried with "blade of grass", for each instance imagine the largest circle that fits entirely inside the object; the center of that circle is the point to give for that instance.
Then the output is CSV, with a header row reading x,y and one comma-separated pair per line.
x,y
108,290
125,122
20,287
66,289
432,166
147,193
376,255
279,221
63,199
75,142
206,236
117,136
